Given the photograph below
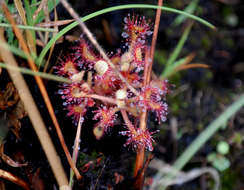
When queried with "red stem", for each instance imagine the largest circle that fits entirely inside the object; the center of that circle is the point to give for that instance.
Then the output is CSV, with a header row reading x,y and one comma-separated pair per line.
x,y
147,76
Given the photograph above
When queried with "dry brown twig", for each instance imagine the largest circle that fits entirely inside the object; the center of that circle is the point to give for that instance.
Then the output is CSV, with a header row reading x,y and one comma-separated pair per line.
x,y
10,177
35,117
41,87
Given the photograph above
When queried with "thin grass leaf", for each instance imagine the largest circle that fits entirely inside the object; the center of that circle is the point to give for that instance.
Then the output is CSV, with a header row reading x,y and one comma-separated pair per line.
x,y
29,13
29,27
55,23
169,70
36,73
120,7
189,9
29,34
191,66
14,50
205,135
179,45
41,16
21,11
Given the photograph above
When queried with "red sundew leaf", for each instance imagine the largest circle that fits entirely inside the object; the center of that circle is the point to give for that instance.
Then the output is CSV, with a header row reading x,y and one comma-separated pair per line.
x,y
106,117
163,85
139,140
74,92
106,84
151,99
136,28
132,78
67,67
76,110
115,59
85,52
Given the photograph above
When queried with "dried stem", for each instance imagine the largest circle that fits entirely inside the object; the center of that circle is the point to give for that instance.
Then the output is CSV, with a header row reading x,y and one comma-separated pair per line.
x,y
76,147
138,173
143,119
127,121
41,86
9,176
102,98
154,38
95,43
35,117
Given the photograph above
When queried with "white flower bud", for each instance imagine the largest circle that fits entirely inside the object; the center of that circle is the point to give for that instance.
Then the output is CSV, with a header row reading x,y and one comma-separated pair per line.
x,y
77,77
126,58
101,67
120,97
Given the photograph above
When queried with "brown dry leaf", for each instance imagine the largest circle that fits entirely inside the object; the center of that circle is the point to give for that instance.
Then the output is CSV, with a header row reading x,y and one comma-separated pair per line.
x,y
53,34
191,66
10,177
8,97
29,37
21,10
14,116
8,160
55,23
13,107
39,9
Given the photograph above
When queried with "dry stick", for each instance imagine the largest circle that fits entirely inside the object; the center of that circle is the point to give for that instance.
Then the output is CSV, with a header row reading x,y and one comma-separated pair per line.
x,y
76,148
102,98
143,119
9,176
127,121
42,88
96,45
35,117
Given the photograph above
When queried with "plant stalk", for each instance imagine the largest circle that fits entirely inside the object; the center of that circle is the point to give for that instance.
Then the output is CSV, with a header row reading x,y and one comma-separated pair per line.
x,y
139,171
35,117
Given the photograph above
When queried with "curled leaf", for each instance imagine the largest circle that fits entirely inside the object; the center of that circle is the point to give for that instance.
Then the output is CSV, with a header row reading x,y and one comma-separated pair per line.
x,y
8,160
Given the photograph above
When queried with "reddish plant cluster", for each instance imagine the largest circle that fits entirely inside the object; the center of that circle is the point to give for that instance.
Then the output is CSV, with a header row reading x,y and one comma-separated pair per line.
x,y
96,84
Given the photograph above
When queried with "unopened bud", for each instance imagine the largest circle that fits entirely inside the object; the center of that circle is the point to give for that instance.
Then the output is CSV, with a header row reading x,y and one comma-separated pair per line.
x,y
120,97
101,67
78,77
126,58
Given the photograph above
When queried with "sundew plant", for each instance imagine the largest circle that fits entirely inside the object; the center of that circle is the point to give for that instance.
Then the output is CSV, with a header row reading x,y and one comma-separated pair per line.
x,y
96,84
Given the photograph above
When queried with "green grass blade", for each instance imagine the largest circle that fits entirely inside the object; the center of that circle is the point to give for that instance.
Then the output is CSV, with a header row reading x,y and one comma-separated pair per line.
x,y
210,130
51,4
14,49
120,7
171,68
189,9
41,74
168,68
29,27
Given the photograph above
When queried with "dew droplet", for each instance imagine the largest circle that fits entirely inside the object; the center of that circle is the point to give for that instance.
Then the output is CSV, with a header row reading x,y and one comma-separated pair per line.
x,y
124,35
60,91
149,33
